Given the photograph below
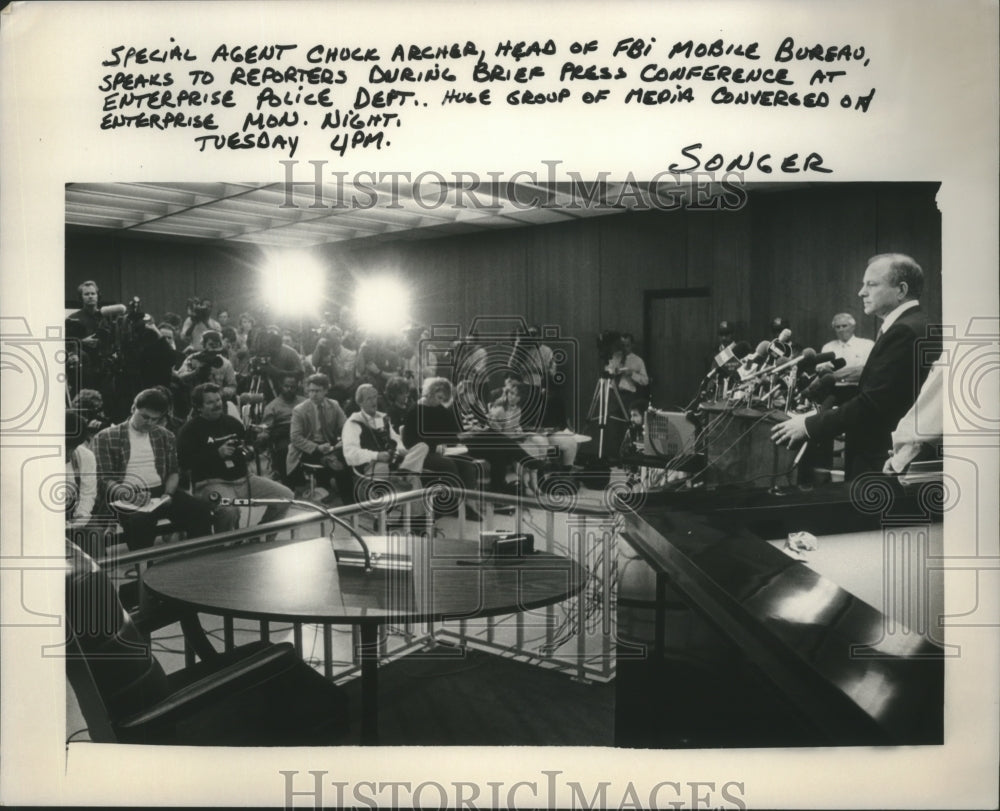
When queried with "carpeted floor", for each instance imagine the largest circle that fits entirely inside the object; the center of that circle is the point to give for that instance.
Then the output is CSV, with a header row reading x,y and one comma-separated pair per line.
x,y
451,697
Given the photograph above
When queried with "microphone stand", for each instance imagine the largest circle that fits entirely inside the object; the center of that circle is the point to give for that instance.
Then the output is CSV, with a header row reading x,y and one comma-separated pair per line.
x,y
254,502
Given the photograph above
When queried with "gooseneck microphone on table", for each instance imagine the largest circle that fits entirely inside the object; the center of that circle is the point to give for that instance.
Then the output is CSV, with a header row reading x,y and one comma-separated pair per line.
x,y
217,499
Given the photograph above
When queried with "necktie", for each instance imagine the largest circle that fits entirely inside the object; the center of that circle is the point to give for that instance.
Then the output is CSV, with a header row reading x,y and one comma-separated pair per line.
x,y
324,423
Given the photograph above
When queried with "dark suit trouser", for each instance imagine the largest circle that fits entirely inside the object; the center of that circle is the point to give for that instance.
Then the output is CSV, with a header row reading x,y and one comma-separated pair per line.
x,y
191,514
344,479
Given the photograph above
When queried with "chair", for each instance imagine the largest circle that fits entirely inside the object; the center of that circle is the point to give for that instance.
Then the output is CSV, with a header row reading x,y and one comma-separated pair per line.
x,y
309,470
259,694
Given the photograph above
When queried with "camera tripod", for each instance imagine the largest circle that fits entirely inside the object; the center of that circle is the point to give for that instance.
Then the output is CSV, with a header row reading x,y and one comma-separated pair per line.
x,y
260,384
606,396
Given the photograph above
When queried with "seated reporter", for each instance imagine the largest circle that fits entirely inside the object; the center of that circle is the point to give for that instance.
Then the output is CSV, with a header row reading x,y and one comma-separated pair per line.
x,y
433,421
534,410
483,438
89,405
315,439
137,461
371,445
213,448
505,418
398,400
277,423
81,485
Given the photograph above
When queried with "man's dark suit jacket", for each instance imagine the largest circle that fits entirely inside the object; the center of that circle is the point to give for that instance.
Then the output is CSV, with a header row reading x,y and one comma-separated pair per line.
x,y
889,383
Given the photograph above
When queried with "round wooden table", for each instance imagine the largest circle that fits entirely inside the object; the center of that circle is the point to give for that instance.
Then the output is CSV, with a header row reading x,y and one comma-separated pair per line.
x,y
412,581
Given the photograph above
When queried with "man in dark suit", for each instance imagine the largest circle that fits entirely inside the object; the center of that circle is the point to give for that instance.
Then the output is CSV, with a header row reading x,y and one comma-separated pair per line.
x,y
892,375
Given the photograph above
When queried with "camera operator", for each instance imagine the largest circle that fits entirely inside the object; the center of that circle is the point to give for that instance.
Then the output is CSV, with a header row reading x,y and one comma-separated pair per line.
x,y
210,365
377,361
140,360
90,335
273,359
331,358
199,320
627,370
212,446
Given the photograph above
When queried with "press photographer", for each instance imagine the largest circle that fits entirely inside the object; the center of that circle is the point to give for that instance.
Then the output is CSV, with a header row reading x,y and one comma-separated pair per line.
x,y
210,365
199,321
140,357
214,448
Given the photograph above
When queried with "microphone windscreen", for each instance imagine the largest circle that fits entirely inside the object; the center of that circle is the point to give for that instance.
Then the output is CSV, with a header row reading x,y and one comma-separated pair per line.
x,y
741,349
111,310
761,349
785,336
839,363
827,357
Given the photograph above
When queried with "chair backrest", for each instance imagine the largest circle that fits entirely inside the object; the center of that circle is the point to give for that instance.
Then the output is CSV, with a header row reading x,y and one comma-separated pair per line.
x,y
109,665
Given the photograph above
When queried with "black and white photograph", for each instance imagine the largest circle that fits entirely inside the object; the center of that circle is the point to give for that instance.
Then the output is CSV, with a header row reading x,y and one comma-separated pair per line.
x,y
499,410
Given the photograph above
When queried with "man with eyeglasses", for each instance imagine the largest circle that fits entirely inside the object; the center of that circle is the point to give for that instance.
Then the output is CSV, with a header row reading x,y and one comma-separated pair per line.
x,y
896,368
137,475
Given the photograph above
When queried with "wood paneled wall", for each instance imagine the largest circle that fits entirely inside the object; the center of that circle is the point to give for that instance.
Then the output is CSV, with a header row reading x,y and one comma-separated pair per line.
x,y
164,274
798,253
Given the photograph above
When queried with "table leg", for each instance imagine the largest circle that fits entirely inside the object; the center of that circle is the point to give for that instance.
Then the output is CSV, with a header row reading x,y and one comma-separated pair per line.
x,y
195,637
369,683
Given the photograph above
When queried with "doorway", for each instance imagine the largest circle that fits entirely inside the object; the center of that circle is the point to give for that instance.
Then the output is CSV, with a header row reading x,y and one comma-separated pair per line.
x,y
678,332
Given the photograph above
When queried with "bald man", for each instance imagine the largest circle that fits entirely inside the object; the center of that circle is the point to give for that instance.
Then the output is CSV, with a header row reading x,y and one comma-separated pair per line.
x,y
850,347
891,377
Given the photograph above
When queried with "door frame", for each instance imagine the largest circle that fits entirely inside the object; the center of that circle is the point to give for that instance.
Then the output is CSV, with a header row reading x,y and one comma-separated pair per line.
x,y
658,294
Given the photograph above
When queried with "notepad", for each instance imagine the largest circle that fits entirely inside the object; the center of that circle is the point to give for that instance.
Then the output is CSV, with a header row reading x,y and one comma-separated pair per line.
x,y
129,507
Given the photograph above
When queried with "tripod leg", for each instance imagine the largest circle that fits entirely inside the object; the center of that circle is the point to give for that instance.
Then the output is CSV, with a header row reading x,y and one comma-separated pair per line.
x,y
594,402
604,384
621,404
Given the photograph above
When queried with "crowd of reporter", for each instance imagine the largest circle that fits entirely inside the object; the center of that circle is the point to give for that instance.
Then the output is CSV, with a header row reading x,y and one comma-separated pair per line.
x,y
328,406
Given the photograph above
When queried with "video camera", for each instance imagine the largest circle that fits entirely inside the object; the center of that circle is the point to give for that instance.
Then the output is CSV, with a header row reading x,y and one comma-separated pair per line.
x,y
199,309
133,309
259,364
608,343
205,357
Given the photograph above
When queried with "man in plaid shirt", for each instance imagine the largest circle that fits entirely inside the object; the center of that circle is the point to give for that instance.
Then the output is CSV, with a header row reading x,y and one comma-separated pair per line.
x,y
137,475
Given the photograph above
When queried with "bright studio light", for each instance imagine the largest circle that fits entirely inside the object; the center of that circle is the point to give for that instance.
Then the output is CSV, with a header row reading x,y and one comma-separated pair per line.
x,y
293,283
382,305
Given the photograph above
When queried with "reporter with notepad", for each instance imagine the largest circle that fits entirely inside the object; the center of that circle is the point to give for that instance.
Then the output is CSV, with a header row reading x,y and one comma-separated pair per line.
x,y
137,475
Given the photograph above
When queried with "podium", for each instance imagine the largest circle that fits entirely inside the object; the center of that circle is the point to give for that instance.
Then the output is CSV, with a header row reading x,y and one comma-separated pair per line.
x,y
738,448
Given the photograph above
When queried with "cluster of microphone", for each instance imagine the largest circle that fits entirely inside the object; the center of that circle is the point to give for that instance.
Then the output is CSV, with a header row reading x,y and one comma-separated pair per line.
x,y
770,376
